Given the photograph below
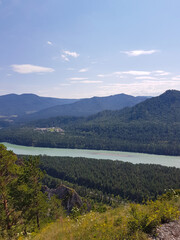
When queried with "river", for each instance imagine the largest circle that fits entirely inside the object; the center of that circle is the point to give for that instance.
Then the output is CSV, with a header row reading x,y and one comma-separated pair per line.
x,y
169,161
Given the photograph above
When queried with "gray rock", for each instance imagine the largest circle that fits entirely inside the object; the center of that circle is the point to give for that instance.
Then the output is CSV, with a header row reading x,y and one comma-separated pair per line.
x,y
168,231
69,196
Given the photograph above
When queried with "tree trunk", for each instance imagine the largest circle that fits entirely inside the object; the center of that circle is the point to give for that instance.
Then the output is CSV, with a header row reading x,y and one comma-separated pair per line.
x,y
7,213
37,220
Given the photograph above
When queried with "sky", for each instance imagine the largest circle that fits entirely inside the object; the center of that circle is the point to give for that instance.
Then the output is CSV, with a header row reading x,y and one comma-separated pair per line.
x,y
86,48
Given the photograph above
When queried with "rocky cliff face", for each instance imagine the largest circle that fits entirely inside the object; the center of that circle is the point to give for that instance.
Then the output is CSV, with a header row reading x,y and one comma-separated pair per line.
x,y
69,197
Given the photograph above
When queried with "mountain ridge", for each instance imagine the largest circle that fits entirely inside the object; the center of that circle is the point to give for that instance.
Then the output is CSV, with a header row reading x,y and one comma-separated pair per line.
x,y
165,107
14,104
88,106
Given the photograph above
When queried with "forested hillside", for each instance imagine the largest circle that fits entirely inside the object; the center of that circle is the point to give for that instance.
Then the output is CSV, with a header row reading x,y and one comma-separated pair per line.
x,y
135,182
87,107
152,126
13,104
29,210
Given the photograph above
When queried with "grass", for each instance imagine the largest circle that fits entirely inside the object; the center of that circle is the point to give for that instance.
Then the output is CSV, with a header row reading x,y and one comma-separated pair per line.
x,y
127,222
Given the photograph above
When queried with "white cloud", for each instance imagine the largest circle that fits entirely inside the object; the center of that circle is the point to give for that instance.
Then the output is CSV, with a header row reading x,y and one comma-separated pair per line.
x,y
64,57
123,74
83,70
142,74
77,79
161,73
137,73
28,68
88,81
176,78
101,75
49,43
66,54
145,77
136,53
72,54
144,88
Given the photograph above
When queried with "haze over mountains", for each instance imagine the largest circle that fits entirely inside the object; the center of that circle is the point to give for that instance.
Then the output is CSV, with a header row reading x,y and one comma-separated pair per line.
x,y
89,106
151,126
31,107
13,104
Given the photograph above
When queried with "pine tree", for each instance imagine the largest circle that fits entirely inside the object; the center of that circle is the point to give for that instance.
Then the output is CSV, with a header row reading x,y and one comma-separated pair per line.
x,y
30,199
8,178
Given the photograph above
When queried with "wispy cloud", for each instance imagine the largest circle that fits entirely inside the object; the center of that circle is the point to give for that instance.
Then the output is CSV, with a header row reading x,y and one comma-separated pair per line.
x,y
83,80
161,73
125,73
136,53
176,78
77,79
145,77
82,70
137,73
49,43
89,81
28,68
102,75
141,88
72,54
66,54
64,57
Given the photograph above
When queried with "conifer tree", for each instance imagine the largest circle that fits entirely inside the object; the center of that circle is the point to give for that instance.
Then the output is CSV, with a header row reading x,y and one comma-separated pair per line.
x,y
31,200
8,178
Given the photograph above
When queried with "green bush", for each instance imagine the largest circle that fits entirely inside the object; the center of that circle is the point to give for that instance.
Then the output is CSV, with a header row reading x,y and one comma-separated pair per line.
x,y
145,218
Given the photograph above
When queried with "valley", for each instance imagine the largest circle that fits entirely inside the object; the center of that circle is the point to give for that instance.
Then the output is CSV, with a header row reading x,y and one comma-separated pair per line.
x,y
152,126
126,159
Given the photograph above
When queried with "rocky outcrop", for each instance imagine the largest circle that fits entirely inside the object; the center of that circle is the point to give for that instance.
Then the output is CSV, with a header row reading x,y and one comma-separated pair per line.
x,y
168,231
69,196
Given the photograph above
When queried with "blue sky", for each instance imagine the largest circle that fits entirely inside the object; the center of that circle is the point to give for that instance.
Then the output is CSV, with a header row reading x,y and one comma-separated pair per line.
x,y
85,48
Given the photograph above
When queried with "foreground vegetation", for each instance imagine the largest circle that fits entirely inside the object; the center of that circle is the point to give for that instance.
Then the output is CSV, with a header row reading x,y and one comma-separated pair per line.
x,y
27,212
130,221
23,206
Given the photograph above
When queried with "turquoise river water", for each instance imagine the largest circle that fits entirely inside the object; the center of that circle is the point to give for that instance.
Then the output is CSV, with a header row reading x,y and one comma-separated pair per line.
x,y
170,161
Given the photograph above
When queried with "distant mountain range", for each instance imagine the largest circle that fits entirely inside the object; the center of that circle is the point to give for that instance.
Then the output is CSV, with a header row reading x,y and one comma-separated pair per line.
x,y
32,107
164,108
88,106
151,126
13,104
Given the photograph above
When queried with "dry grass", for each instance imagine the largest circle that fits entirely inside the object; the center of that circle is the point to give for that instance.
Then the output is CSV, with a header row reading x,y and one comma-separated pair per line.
x,y
103,226
129,222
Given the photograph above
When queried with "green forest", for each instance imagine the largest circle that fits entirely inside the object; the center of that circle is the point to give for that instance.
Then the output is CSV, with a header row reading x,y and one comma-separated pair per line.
x,y
23,206
134,182
148,137
152,126
109,190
